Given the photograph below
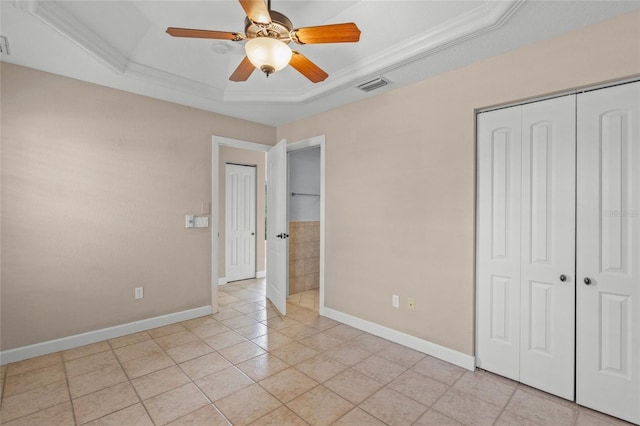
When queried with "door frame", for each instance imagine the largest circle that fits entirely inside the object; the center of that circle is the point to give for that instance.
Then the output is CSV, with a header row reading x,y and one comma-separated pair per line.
x,y
216,143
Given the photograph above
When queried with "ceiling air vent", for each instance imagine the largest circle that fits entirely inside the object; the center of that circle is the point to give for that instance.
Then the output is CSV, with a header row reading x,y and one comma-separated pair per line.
x,y
374,84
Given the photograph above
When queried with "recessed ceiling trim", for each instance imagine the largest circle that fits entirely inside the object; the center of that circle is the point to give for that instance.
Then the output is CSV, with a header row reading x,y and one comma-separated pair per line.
x,y
174,82
55,16
474,23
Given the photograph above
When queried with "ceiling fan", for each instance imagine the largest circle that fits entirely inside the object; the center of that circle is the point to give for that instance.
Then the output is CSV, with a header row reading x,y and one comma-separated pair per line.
x,y
268,34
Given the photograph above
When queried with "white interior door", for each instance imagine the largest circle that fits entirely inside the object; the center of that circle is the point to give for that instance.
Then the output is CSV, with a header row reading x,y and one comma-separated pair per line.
x,y
608,251
277,232
498,242
240,222
547,293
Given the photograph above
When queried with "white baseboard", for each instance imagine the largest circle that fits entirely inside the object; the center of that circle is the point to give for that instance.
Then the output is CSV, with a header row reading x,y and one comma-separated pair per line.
x,y
70,342
222,281
454,357
261,274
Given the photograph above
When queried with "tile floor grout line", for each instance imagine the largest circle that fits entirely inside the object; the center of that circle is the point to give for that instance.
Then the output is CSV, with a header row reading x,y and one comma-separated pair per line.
x,y
207,398
504,408
71,399
282,404
130,380
5,369
449,387
66,377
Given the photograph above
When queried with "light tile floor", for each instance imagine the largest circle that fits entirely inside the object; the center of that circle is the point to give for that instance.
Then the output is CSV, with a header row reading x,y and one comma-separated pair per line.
x,y
309,299
248,365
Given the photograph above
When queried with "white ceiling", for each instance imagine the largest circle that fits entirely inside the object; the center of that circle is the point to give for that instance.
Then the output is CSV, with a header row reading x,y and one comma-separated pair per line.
x,y
123,44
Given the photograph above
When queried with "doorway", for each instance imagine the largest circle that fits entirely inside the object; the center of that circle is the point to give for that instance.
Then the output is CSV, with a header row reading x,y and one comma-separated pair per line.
x,y
304,227
216,264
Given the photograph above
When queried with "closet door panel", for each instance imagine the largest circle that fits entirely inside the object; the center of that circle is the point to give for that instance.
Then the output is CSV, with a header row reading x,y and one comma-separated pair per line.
x,y
498,236
548,246
608,251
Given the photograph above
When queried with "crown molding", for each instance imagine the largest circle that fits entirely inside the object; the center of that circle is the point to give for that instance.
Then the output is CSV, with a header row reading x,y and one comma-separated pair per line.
x,y
55,16
173,81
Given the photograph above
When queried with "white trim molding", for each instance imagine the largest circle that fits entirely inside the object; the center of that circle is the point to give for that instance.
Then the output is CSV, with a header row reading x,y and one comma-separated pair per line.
x,y
77,340
222,281
74,30
261,274
446,354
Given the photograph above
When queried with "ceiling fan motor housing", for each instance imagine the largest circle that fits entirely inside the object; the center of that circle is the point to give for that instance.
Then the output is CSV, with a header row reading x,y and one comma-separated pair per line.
x,y
280,28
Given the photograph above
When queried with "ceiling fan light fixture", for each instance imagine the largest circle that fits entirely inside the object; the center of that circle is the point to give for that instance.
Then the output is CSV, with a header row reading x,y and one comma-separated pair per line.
x,y
268,54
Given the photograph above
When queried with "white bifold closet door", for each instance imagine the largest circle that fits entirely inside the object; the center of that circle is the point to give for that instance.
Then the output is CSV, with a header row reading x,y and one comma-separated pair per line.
x,y
558,247
547,299
498,242
526,244
608,251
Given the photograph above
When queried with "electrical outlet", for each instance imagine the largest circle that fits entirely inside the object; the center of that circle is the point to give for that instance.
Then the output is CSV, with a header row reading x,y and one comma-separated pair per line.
x,y
139,293
411,304
395,301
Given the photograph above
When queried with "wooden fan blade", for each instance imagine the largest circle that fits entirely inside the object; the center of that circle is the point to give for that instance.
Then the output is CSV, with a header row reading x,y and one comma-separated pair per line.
x,y
335,33
307,68
256,11
193,33
243,71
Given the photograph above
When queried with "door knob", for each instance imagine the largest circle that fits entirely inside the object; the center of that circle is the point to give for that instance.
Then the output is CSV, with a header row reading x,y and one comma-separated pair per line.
x,y
285,235
563,277
280,236
587,281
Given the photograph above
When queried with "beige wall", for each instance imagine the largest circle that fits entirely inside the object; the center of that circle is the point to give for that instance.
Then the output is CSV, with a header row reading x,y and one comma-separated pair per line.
x,y
247,158
400,178
95,186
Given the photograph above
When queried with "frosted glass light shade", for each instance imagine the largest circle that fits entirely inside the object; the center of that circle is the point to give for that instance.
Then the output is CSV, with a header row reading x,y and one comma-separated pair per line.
x,y
268,54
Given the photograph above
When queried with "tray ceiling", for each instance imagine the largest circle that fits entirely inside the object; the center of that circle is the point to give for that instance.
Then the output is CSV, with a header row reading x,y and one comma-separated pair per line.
x,y
123,44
